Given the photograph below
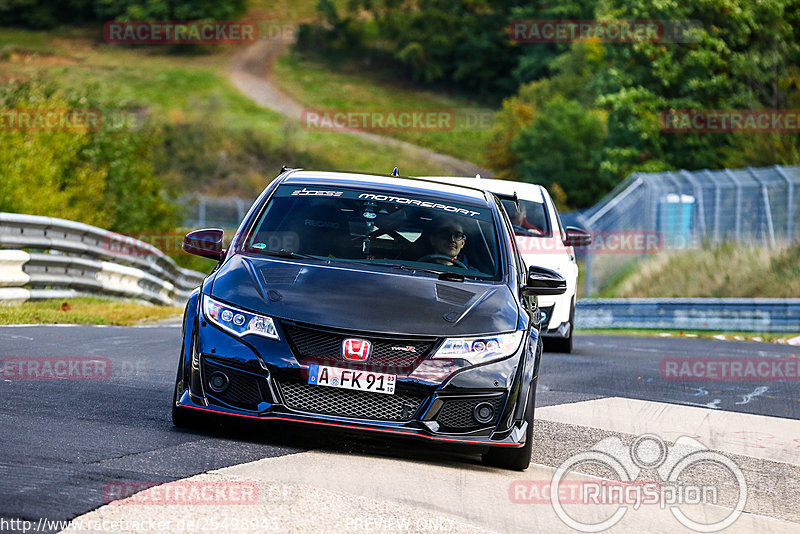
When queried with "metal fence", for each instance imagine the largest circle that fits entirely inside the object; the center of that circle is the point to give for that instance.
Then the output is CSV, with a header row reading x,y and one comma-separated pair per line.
x,y
687,209
747,315
203,211
45,257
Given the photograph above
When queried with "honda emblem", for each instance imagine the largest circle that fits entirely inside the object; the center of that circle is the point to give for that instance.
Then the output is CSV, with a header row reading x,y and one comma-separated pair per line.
x,y
357,350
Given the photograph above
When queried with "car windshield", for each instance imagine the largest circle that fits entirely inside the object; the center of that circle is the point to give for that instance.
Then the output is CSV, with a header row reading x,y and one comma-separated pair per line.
x,y
530,219
376,227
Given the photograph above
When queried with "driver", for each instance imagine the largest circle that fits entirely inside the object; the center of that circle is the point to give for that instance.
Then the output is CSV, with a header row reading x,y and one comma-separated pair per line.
x,y
446,239
519,217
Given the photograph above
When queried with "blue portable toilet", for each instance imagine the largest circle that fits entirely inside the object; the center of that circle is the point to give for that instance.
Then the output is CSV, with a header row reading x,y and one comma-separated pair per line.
x,y
675,220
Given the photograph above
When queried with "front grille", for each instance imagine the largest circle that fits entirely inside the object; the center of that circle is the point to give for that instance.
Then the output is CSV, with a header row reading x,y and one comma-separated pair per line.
x,y
314,345
244,389
346,403
457,415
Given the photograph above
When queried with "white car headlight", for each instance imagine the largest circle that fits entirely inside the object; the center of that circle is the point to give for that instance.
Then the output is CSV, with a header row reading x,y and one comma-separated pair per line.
x,y
477,350
236,321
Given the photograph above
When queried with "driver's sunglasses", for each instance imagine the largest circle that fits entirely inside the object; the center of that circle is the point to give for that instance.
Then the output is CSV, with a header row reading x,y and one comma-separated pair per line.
x,y
453,235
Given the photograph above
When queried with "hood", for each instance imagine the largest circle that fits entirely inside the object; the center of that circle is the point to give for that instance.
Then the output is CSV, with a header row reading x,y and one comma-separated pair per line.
x,y
366,298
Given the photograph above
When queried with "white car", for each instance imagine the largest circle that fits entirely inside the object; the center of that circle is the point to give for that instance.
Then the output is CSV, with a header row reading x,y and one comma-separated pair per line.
x,y
542,241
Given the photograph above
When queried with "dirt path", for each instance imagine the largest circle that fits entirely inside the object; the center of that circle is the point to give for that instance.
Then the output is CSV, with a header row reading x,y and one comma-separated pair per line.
x,y
251,72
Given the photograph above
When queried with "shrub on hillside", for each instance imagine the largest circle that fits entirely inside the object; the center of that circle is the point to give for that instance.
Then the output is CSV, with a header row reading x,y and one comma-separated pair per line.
x,y
103,176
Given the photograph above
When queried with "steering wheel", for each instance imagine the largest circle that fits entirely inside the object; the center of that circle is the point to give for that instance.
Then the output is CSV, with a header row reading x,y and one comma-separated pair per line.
x,y
442,257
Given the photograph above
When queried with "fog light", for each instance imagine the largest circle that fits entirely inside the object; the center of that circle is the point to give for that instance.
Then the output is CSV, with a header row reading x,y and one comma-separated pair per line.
x,y
483,412
218,382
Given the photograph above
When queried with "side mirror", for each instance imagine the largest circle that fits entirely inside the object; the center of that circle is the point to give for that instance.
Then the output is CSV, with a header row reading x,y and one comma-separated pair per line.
x,y
206,243
543,281
577,237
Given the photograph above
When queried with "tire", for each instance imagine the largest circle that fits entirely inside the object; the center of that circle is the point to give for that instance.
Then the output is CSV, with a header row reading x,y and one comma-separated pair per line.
x,y
515,459
184,418
563,344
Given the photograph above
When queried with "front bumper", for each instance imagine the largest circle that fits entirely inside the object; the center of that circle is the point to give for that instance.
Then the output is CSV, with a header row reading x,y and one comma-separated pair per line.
x,y
268,383
513,439
560,331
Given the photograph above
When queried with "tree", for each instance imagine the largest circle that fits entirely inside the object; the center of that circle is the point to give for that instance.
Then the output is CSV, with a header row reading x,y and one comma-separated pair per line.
x,y
104,177
564,145
50,13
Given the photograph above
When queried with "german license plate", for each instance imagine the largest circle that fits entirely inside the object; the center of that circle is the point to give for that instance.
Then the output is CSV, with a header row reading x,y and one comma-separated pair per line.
x,y
335,377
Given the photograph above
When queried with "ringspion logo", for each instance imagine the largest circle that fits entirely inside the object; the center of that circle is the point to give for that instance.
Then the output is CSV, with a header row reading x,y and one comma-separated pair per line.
x,y
689,476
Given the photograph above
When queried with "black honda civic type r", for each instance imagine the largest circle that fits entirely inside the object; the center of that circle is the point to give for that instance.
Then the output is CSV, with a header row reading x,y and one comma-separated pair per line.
x,y
370,303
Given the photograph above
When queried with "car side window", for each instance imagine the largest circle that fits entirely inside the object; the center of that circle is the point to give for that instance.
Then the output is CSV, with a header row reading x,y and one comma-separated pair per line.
x,y
519,263
557,217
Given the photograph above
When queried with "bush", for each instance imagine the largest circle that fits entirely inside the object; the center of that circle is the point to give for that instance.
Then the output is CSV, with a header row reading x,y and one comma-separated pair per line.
x,y
104,178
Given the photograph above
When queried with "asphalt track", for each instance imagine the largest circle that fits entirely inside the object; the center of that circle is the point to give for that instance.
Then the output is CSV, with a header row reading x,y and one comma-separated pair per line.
x,y
64,441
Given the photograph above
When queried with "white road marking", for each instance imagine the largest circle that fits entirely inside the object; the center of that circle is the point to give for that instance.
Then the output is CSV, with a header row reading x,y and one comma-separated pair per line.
x,y
713,404
760,390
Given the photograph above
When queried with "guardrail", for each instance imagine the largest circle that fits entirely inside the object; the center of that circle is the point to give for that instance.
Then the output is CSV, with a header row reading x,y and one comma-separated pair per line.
x,y
64,258
730,314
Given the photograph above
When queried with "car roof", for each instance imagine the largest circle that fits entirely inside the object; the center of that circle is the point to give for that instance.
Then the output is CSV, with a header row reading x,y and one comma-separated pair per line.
x,y
393,184
524,190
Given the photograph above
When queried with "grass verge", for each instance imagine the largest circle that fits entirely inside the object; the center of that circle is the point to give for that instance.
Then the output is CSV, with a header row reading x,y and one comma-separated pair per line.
x,y
86,310
727,270
317,85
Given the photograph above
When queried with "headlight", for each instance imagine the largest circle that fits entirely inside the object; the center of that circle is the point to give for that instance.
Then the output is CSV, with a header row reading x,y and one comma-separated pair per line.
x,y
236,321
482,349
457,353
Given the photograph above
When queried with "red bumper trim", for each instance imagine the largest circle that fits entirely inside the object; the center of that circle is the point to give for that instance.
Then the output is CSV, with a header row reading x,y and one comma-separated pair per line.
x,y
340,425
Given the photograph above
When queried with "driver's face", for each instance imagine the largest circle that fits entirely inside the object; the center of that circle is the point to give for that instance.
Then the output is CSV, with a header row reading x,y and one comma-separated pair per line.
x,y
448,240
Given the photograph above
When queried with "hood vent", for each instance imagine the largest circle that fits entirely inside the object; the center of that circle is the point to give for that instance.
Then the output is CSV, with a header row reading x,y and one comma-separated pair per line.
x,y
453,295
279,275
